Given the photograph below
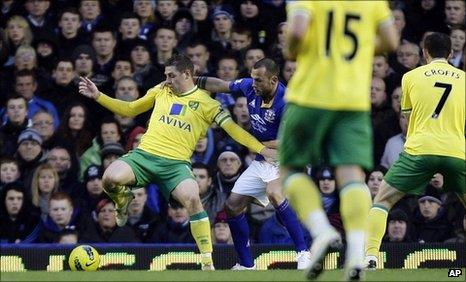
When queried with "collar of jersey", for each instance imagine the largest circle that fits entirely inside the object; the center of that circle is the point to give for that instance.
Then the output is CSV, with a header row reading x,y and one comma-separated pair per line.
x,y
439,60
189,92
269,104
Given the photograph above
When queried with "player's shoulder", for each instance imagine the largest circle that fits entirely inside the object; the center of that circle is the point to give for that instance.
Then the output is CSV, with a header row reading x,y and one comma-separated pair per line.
x,y
415,72
203,96
461,72
281,91
245,82
159,88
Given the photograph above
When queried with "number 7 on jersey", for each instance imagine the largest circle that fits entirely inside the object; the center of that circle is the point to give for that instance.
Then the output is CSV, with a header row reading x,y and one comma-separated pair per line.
x,y
442,101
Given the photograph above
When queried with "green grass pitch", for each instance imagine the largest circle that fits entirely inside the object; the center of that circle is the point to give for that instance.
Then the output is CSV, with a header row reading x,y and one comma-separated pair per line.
x,y
227,275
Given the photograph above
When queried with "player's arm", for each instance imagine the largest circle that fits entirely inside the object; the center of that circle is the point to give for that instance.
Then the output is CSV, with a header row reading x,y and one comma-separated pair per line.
x,y
298,22
406,105
212,84
246,139
123,108
388,38
272,144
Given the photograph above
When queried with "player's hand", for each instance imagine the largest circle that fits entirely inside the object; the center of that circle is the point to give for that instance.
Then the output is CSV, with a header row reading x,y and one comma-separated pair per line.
x,y
163,84
88,88
270,155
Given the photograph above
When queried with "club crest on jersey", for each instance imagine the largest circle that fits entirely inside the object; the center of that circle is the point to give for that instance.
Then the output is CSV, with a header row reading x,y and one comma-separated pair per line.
x,y
252,103
269,115
193,105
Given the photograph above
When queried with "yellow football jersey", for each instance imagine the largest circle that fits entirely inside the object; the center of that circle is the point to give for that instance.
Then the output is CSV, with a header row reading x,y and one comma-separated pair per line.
x,y
334,62
435,95
177,121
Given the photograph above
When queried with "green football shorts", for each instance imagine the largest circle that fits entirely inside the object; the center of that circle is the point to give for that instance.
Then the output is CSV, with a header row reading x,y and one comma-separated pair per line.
x,y
317,136
149,168
410,174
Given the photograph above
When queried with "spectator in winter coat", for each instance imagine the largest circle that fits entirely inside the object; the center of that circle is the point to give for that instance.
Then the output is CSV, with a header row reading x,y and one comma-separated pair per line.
x,y
430,219
141,218
93,190
62,215
19,221
212,200
103,228
177,228
398,228
16,121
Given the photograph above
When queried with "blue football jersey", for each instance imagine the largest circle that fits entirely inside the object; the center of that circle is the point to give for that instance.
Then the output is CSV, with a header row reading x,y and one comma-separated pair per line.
x,y
265,120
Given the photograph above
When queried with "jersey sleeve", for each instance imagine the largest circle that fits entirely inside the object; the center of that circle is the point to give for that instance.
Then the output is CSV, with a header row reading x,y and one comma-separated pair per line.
x,y
130,109
406,105
240,86
215,113
382,13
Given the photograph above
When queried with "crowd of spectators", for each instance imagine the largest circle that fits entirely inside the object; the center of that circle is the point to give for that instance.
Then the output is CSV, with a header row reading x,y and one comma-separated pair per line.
x,y
55,143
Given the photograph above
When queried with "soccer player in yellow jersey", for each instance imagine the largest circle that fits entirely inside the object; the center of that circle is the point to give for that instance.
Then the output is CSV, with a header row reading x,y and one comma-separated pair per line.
x,y
181,114
433,100
327,116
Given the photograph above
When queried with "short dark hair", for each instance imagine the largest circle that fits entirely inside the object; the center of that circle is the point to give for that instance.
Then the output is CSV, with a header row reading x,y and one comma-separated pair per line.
x,y
66,232
457,27
130,15
163,26
270,66
15,96
229,57
242,30
101,28
181,63
98,2
438,45
71,10
380,168
122,58
25,72
202,166
195,43
64,59
106,120
250,48
8,159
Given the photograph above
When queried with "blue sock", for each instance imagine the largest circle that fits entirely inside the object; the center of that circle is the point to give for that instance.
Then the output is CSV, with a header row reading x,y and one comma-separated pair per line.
x,y
291,222
240,232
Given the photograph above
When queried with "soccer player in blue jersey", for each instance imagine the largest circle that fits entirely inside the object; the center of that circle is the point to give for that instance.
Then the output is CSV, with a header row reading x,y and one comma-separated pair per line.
x,y
260,181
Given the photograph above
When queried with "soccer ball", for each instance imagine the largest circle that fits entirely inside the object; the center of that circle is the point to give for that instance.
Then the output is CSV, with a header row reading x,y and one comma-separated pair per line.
x,y
85,258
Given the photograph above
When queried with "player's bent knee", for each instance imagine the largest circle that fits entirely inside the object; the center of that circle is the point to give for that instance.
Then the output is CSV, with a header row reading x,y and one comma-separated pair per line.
x,y
191,202
233,207
387,196
118,173
111,178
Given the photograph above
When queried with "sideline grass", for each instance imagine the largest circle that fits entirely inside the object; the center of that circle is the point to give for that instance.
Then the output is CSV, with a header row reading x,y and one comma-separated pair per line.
x,y
226,275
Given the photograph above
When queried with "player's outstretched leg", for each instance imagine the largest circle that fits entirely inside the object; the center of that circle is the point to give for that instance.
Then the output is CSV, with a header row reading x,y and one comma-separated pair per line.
x,y
377,220
187,193
305,199
235,206
288,218
114,180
